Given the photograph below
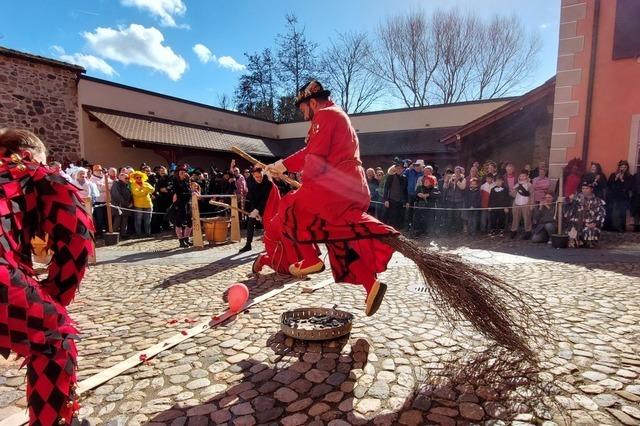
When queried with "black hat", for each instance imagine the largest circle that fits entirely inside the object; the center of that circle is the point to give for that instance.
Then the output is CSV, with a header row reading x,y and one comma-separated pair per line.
x,y
397,162
312,89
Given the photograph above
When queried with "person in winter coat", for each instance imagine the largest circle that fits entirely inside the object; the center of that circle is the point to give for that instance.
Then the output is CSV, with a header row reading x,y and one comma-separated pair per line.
x,y
544,219
396,196
141,192
499,202
427,195
121,197
473,200
619,195
180,211
259,190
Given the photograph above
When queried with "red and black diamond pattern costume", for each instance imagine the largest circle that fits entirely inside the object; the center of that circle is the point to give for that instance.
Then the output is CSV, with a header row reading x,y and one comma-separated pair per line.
x,y
33,318
330,206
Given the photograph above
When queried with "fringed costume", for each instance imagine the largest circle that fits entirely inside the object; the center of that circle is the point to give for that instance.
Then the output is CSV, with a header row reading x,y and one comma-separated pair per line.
x,y
33,318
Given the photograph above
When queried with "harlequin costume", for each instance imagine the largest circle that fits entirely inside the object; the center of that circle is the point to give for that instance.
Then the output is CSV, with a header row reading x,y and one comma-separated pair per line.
x,y
585,214
330,207
33,318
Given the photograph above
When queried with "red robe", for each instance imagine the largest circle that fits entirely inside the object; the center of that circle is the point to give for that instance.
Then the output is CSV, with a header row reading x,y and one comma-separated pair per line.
x,y
33,318
331,205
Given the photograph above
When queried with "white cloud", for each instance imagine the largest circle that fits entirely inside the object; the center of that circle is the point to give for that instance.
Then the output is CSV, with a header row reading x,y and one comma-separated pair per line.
x,y
230,63
137,45
165,10
89,62
203,53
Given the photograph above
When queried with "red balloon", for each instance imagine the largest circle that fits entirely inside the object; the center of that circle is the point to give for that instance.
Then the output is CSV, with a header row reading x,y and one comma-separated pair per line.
x,y
237,296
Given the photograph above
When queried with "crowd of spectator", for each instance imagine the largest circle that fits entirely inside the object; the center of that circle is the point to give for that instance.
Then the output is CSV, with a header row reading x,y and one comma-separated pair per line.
x,y
412,196
497,199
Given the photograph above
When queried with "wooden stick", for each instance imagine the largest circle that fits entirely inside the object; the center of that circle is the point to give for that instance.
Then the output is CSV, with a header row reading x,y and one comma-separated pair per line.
x,y
196,228
234,234
221,204
294,183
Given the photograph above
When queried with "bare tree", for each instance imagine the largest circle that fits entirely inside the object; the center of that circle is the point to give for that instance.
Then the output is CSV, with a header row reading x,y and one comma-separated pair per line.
x,y
406,57
505,57
346,66
453,56
455,34
224,101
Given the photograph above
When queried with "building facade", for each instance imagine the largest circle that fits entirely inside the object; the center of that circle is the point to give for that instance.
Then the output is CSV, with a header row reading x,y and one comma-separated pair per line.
x,y
597,94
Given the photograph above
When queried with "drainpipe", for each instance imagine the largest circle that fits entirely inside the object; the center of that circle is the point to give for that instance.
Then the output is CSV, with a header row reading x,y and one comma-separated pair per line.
x,y
592,70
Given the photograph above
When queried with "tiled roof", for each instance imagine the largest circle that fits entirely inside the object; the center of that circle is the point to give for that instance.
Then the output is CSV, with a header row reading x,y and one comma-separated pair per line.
x,y
392,143
152,130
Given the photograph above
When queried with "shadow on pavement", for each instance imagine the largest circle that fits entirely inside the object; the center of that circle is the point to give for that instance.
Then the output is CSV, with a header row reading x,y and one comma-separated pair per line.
x,y
315,383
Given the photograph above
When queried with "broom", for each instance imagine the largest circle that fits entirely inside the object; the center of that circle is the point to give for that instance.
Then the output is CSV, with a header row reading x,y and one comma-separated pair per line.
x,y
460,291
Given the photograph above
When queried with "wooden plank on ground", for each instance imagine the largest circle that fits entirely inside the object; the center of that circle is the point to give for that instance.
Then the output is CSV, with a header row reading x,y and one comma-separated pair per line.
x,y
134,360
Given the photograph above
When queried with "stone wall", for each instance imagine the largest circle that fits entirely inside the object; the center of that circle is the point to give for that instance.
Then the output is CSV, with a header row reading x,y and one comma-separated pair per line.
x,y
43,98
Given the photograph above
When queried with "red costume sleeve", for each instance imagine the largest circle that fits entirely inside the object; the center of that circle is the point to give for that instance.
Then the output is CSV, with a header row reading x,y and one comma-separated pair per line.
x,y
64,219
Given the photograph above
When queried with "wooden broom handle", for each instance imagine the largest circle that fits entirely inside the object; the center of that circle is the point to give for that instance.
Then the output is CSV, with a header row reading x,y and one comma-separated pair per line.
x,y
220,204
294,183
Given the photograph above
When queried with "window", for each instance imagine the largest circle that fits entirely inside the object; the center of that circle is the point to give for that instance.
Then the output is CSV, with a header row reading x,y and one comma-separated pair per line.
x,y
626,37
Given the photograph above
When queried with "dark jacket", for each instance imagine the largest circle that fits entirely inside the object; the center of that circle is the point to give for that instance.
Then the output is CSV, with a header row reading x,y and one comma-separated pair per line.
x,y
619,190
403,187
472,198
431,200
120,194
543,214
499,197
258,193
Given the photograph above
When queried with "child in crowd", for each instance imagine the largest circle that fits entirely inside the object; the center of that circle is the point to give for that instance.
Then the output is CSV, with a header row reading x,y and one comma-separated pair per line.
x,y
485,192
521,207
499,201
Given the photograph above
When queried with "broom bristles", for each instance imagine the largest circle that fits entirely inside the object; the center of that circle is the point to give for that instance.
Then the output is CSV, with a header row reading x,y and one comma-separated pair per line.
x,y
460,291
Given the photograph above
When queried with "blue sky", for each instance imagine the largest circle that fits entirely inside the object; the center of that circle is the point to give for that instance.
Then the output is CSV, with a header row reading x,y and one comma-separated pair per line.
x,y
150,43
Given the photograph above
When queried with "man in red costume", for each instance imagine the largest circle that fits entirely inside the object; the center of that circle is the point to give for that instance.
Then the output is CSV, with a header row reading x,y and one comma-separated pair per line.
x,y
33,318
331,205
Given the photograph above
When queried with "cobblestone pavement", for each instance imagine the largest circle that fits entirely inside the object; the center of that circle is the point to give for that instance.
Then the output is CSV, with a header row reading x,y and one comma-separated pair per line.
x,y
246,372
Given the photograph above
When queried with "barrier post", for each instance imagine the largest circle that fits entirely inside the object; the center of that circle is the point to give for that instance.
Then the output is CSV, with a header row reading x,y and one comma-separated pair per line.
x,y
107,194
88,205
235,220
198,241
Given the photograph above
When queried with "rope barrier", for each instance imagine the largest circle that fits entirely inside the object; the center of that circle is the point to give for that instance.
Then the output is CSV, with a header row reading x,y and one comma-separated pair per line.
x,y
467,208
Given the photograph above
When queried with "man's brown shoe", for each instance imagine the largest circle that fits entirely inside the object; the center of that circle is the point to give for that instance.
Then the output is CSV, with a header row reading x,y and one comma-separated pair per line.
x,y
257,265
375,296
298,271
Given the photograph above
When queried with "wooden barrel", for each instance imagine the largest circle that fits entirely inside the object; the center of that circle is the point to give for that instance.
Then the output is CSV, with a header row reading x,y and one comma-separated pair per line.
x,y
216,229
40,252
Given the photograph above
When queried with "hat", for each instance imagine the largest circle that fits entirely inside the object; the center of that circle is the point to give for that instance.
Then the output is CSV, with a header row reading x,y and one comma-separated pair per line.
x,y
406,162
588,182
312,89
133,175
397,162
419,163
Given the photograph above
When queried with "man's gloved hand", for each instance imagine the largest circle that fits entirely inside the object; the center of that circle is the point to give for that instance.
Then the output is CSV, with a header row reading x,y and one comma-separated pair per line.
x,y
254,214
276,169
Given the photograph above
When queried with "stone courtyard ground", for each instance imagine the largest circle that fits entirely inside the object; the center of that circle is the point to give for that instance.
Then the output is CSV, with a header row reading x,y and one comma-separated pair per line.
x,y
245,371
